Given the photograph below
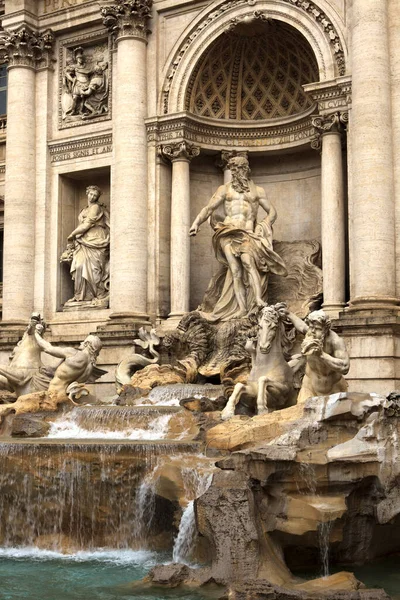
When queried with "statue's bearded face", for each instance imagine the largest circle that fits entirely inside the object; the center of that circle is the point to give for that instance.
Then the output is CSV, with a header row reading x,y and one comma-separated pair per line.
x,y
240,176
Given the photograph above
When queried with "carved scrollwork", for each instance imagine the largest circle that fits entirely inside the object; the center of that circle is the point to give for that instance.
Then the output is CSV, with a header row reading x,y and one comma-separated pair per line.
x,y
324,21
336,122
128,18
333,123
179,151
26,47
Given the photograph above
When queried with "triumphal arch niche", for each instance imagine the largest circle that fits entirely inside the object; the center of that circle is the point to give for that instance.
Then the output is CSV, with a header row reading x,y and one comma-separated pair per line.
x,y
267,81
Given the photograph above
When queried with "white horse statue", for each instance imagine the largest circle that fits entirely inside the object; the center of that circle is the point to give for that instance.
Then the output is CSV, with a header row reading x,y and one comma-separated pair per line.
x,y
271,378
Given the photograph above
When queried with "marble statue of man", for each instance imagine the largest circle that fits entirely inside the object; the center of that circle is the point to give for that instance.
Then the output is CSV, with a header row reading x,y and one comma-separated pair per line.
x,y
241,245
325,356
77,364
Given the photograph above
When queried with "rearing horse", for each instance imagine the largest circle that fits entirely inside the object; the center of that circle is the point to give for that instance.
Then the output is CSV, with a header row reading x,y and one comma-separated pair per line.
x,y
271,379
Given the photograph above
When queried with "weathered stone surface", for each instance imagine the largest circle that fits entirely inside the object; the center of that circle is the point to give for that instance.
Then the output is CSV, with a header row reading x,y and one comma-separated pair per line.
x,y
225,516
29,426
203,404
169,575
263,590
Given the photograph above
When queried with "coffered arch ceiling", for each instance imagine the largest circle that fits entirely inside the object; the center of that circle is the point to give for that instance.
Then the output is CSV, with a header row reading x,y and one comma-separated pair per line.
x,y
255,71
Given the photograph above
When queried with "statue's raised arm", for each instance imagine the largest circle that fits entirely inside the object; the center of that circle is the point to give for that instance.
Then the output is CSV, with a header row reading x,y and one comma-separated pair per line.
x,y
243,247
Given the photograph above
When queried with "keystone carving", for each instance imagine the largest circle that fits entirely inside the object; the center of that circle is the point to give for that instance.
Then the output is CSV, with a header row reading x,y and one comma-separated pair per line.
x,y
26,47
179,151
128,18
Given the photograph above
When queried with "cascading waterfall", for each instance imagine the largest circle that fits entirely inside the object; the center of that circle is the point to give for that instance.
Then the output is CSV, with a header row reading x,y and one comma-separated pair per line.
x,y
196,483
170,395
77,495
324,533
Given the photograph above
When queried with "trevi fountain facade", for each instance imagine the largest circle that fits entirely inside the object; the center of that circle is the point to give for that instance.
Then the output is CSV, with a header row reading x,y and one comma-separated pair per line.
x,y
199,343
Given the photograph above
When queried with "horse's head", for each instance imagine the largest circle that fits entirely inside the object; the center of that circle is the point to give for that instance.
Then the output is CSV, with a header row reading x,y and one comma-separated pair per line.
x,y
268,327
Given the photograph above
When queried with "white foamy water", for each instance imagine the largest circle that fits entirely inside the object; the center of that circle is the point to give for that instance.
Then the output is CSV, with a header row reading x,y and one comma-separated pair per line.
x,y
107,555
195,485
170,395
68,428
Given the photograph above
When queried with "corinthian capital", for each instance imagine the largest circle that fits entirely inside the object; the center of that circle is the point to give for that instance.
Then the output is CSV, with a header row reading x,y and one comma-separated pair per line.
x,y
127,18
26,47
179,151
333,123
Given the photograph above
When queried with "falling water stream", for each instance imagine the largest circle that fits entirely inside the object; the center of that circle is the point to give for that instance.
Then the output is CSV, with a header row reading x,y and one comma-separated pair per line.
x,y
85,501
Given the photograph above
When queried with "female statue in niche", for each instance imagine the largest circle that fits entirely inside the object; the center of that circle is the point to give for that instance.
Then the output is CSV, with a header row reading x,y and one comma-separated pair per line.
x,y
88,252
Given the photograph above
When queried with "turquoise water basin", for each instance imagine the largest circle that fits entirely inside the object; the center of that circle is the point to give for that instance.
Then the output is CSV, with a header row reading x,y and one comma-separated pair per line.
x,y
31,574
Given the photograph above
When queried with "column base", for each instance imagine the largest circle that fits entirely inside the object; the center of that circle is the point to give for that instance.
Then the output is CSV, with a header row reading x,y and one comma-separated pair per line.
x,y
333,309
123,326
172,322
374,305
373,346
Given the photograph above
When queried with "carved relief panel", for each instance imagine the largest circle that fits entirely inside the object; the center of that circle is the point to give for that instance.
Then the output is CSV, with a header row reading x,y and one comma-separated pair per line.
x,y
85,80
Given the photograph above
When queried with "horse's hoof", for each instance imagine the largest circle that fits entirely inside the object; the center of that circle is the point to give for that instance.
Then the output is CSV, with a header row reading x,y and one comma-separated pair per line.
x,y
226,415
263,411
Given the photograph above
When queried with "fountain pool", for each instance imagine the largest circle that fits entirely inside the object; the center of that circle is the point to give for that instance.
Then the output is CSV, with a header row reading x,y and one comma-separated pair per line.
x,y
98,575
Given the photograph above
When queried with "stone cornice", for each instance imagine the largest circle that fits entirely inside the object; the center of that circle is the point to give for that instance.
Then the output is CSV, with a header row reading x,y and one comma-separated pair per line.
x,y
179,151
331,95
230,135
95,145
127,18
24,47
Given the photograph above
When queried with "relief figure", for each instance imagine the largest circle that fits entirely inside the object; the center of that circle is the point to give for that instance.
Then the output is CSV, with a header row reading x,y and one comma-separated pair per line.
x,y
85,87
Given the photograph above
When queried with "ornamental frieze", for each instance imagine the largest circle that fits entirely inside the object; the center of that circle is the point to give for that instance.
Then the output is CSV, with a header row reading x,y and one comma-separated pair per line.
x,y
213,136
73,149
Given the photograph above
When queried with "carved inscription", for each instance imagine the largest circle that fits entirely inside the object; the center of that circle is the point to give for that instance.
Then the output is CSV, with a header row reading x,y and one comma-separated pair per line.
x,y
81,148
49,6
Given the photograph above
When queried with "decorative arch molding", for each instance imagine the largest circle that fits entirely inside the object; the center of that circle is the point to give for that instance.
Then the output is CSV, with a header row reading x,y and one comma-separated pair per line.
x,y
323,35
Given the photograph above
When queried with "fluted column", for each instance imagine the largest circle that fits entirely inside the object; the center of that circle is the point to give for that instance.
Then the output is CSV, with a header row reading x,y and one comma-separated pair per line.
x,y
24,50
127,21
180,155
372,194
333,227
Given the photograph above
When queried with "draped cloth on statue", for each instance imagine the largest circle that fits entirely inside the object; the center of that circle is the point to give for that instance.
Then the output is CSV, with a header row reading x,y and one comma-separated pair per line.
x,y
90,263
219,301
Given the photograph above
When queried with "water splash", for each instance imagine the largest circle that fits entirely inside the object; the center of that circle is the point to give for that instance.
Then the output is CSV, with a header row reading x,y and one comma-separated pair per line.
x,y
170,395
69,427
103,555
